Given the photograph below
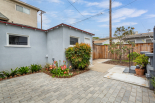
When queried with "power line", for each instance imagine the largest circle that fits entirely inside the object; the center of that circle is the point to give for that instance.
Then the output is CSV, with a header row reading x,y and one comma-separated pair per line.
x,y
145,28
101,13
75,7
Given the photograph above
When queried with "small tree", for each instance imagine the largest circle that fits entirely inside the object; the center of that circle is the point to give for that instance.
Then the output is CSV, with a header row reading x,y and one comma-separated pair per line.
x,y
119,48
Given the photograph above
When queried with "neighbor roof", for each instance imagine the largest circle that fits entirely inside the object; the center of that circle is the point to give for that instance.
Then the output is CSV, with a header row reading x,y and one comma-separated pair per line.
x,y
3,17
60,25
99,41
140,35
23,3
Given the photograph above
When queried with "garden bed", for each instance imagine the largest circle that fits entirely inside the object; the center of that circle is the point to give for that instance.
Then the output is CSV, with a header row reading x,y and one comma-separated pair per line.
x,y
19,75
116,62
73,73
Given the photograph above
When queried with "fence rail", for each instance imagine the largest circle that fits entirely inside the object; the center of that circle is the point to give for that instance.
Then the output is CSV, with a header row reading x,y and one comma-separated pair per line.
x,y
102,51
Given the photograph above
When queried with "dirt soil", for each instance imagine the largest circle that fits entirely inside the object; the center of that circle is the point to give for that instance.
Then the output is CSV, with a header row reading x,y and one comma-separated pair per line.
x,y
117,63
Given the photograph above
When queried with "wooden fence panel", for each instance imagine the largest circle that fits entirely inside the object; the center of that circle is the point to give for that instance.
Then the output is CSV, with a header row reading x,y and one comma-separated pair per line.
x,y
102,52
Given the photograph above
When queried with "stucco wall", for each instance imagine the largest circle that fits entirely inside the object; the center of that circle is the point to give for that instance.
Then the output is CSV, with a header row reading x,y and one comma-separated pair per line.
x,y
67,32
51,43
8,8
55,45
12,57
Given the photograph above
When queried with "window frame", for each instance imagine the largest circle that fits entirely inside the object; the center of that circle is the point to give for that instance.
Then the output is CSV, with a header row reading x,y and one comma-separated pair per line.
x,y
22,9
148,39
73,37
15,34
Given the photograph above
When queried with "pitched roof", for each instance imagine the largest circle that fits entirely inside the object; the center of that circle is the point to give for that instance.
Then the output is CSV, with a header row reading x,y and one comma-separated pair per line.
x,y
60,25
3,17
140,35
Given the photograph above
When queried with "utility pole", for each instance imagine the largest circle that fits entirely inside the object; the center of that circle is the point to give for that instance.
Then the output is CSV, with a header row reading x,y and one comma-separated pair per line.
x,y
42,12
110,23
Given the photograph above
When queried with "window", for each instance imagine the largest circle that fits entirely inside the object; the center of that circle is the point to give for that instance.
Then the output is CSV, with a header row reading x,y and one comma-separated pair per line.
x,y
73,40
22,9
16,40
148,40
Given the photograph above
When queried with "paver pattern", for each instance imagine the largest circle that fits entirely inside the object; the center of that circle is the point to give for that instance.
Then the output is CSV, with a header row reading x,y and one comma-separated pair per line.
x,y
89,87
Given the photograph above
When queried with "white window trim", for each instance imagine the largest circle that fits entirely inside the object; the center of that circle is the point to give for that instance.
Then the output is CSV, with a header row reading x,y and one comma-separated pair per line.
x,y
23,7
73,37
7,40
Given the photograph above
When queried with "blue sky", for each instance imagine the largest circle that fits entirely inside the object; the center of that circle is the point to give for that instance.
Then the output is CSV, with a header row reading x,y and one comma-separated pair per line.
x,y
140,14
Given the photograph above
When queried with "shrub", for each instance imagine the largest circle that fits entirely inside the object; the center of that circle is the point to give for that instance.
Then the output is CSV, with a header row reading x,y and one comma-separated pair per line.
x,y
153,81
6,73
62,70
133,55
14,72
35,68
23,70
79,55
47,65
141,60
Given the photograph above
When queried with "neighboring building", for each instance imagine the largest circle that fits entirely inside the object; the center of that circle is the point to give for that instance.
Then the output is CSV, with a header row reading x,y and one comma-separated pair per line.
x,y
23,45
16,11
140,38
136,38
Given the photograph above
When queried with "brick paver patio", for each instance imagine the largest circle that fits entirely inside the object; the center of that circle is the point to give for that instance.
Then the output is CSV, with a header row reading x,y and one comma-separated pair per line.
x,y
89,87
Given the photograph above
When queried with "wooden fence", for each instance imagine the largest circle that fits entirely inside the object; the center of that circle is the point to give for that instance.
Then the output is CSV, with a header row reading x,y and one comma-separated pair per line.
x,y
102,51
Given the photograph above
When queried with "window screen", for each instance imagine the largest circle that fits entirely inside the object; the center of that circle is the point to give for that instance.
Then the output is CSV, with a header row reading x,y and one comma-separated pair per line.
x,y
17,40
148,41
19,8
25,10
22,9
73,40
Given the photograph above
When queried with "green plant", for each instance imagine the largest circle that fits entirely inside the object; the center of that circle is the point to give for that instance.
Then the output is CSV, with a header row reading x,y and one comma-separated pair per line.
x,y
141,60
133,55
153,81
35,68
47,65
6,73
119,48
62,70
23,70
14,72
79,55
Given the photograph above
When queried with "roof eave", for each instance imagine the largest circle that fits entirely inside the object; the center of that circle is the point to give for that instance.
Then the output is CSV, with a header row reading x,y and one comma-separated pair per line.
x,y
27,5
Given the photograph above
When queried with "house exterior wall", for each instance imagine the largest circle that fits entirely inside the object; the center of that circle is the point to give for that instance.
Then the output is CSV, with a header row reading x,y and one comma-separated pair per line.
x,y
8,8
67,32
55,45
44,46
12,57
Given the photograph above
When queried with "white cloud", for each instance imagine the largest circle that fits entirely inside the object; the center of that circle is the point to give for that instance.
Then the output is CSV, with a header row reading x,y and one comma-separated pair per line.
x,y
91,30
120,24
122,14
104,4
150,16
70,21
